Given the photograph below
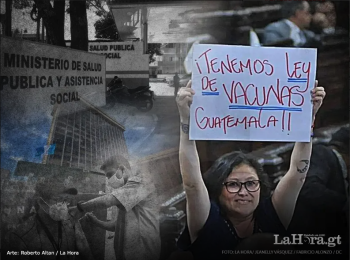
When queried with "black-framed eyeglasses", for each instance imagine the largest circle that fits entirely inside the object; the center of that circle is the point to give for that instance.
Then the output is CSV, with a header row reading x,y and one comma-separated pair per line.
x,y
236,186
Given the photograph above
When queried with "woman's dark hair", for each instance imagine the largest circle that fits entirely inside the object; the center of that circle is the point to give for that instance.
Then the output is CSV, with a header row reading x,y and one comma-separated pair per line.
x,y
222,168
340,139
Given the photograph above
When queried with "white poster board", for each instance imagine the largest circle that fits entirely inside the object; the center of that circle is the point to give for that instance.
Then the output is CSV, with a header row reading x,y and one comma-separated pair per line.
x,y
252,93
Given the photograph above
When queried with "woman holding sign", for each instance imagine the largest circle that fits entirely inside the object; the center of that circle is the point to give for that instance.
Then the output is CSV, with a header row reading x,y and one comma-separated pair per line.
x,y
231,201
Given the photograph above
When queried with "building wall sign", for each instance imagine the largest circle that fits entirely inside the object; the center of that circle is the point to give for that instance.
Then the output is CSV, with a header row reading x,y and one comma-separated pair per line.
x,y
111,51
125,60
37,74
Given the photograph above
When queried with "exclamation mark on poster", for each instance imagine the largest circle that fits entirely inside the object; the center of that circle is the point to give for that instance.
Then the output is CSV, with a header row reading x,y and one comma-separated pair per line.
x,y
289,119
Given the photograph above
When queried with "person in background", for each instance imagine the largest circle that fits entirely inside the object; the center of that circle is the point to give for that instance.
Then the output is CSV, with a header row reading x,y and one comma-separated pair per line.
x,y
231,201
328,9
322,206
176,80
137,224
297,18
323,17
49,227
115,84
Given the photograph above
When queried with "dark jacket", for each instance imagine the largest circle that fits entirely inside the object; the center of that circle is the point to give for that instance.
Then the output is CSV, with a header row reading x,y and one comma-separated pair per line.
x,y
280,31
321,205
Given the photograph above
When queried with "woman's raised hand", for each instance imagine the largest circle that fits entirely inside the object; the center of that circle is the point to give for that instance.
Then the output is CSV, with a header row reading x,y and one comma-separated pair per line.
x,y
317,95
184,100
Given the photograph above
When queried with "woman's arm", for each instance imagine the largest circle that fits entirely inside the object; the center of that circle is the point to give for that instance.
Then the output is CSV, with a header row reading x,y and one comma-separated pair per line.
x,y
285,196
198,203
287,191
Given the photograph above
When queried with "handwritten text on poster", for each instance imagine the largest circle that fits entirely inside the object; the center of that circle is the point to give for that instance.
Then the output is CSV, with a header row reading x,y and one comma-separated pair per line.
x,y
250,93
